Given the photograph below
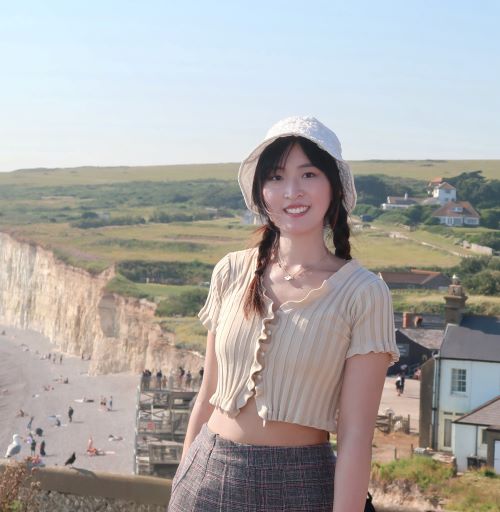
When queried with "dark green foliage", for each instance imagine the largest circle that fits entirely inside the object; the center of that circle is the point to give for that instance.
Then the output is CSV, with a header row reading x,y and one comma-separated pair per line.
x,y
490,217
187,303
490,239
472,186
394,216
373,189
133,243
122,286
479,275
128,220
166,272
367,209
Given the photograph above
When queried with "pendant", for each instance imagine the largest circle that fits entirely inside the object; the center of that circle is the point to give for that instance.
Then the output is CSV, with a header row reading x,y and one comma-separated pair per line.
x,y
288,278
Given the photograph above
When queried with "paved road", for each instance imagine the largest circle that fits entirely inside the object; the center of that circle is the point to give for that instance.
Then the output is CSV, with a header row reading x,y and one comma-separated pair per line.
x,y
407,403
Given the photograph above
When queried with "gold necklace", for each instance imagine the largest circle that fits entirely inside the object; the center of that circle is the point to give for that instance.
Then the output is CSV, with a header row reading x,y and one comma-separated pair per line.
x,y
289,276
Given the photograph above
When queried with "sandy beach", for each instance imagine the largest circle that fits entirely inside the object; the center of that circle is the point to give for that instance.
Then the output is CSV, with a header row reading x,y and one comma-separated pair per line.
x,y
35,384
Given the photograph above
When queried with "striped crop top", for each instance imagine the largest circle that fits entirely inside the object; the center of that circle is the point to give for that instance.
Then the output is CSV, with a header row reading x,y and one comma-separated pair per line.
x,y
293,359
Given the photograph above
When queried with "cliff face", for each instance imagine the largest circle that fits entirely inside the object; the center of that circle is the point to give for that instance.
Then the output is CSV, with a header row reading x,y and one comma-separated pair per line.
x,y
71,308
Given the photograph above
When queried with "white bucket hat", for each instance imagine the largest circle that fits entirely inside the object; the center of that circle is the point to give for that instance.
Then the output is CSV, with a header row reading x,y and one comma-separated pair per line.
x,y
309,128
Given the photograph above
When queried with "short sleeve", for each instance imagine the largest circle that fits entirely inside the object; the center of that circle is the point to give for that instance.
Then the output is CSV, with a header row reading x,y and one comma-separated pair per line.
x,y
209,313
373,322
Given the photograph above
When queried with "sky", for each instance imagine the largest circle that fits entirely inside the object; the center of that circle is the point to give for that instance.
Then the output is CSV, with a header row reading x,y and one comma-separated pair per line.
x,y
120,82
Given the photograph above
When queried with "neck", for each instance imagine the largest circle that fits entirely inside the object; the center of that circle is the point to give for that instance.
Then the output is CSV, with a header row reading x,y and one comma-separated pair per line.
x,y
304,250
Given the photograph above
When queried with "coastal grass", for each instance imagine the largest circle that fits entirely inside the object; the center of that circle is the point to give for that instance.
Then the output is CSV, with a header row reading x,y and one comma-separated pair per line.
x,y
417,169
429,475
473,491
432,302
376,249
188,333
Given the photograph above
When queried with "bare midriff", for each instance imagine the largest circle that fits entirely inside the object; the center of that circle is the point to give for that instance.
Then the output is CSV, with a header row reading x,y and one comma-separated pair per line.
x,y
247,428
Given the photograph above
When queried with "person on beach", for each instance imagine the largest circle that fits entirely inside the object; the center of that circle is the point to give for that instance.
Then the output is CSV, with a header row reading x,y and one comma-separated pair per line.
x,y
70,414
299,341
33,446
30,423
42,449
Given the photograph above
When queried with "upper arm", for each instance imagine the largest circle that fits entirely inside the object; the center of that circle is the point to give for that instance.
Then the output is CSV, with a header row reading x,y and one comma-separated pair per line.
x,y
362,386
209,382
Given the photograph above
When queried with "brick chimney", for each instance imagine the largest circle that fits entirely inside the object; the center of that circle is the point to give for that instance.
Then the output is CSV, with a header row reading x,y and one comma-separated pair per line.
x,y
454,302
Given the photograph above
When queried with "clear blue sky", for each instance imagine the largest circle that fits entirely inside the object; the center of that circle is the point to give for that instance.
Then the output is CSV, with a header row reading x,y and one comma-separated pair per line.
x,y
162,82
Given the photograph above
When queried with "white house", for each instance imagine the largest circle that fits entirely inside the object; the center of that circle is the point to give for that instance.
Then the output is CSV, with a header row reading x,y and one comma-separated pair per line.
x,y
459,213
464,376
468,368
444,192
398,203
475,436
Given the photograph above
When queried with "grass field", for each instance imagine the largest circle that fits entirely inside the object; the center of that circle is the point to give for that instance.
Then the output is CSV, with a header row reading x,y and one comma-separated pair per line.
x,y
418,169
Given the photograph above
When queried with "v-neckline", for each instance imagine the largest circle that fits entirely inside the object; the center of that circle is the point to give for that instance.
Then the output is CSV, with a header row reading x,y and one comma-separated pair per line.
x,y
312,291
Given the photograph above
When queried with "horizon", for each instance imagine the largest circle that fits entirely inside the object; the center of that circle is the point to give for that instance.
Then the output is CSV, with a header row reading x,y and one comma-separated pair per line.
x,y
101,84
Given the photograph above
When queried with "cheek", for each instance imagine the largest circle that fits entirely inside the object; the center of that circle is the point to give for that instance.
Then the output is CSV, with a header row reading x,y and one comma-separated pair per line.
x,y
269,197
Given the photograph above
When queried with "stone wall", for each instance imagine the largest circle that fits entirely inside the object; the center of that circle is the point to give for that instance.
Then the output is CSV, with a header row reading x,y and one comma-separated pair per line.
x,y
62,490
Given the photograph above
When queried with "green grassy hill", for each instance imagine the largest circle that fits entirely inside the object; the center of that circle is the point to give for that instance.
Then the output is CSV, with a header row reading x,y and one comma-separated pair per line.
x,y
54,208
418,169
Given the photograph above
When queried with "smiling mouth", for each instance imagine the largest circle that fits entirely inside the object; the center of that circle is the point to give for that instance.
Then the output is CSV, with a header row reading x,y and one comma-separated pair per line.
x,y
296,210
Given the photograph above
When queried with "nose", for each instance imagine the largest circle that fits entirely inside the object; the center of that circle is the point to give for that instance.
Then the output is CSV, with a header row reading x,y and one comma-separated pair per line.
x,y
293,189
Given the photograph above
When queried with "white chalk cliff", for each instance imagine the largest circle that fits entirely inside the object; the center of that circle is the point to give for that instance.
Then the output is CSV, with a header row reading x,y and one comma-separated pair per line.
x,y
72,308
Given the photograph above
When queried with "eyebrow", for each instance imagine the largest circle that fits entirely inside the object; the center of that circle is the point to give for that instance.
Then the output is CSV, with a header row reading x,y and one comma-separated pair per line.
x,y
303,166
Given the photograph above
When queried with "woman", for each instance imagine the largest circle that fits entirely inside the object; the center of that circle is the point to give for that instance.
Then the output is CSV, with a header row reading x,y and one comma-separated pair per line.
x,y
299,341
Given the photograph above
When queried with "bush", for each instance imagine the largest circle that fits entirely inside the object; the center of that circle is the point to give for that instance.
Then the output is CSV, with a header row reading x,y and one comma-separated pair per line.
x,y
122,286
187,303
165,272
421,470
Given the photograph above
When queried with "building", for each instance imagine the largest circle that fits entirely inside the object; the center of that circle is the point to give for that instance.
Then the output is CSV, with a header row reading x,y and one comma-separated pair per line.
x,y
476,437
465,374
415,278
444,193
414,349
459,213
395,203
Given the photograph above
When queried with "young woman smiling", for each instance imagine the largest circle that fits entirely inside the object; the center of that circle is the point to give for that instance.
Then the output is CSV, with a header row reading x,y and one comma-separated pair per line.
x,y
299,341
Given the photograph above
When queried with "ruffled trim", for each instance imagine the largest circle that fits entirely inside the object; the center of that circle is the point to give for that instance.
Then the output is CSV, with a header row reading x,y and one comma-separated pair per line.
x,y
377,347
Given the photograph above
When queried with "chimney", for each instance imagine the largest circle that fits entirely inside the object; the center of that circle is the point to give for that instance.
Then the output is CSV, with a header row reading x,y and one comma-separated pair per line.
x,y
407,320
455,302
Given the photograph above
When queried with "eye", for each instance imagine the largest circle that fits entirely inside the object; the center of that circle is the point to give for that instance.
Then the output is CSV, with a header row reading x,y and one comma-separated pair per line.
x,y
274,176
310,174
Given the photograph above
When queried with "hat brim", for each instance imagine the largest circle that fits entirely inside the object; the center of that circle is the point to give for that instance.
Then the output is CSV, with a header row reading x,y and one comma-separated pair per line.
x,y
246,173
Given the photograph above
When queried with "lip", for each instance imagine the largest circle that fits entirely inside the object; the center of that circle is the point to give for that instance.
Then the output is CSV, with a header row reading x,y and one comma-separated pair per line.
x,y
296,206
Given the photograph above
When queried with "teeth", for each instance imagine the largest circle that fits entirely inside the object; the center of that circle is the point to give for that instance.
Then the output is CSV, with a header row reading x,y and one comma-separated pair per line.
x,y
301,209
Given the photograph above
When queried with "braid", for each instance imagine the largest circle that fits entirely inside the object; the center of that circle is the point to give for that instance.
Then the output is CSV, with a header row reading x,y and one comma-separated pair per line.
x,y
254,300
341,233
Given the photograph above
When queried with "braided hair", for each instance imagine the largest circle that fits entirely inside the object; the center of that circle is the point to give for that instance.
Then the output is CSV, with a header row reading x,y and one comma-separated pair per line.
x,y
336,217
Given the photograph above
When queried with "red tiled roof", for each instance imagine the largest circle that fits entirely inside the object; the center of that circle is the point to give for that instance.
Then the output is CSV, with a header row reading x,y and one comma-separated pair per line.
x,y
446,210
445,185
415,276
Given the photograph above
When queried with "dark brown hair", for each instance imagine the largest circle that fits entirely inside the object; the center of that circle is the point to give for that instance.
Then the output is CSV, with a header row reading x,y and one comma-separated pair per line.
x,y
336,218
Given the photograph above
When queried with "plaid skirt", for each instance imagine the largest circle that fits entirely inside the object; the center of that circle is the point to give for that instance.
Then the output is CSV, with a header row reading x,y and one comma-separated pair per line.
x,y
221,475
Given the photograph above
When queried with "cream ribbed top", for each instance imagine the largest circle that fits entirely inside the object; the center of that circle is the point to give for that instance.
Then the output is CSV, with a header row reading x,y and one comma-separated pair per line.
x,y
293,359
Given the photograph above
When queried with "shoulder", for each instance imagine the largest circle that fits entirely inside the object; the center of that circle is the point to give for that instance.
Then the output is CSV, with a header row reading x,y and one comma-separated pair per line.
x,y
241,260
234,263
370,287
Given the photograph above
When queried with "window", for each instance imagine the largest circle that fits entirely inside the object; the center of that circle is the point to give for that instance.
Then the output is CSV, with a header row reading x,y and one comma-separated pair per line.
x,y
447,433
458,380
483,436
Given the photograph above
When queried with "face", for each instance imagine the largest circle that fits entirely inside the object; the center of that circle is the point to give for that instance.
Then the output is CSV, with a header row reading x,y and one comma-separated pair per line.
x,y
297,195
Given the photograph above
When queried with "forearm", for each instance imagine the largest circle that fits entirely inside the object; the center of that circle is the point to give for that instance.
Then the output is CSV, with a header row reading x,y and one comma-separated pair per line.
x,y
352,475
202,410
